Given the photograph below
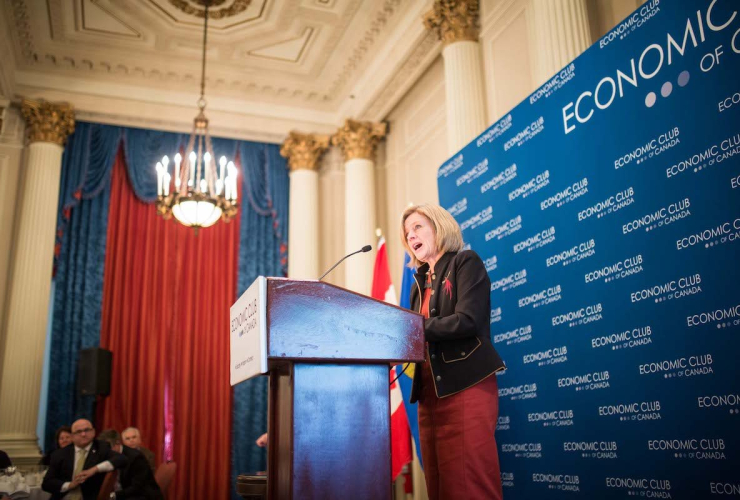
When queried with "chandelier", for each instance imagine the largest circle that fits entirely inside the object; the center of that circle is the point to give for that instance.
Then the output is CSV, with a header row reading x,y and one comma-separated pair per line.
x,y
204,190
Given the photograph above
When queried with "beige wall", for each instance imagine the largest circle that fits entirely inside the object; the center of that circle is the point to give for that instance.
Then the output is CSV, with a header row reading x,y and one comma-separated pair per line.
x,y
414,149
603,15
507,46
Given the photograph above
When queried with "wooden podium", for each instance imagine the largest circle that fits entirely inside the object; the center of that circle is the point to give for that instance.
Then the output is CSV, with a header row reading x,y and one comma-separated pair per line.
x,y
328,353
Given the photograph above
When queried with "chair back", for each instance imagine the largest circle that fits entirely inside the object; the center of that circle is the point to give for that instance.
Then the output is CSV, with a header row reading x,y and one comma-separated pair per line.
x,y
165,473
109,483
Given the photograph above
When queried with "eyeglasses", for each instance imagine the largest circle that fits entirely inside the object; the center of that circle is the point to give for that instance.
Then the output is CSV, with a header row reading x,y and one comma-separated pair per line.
x,y
81,431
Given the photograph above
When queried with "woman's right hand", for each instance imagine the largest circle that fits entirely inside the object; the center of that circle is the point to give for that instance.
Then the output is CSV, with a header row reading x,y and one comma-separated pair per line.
x,y
262,440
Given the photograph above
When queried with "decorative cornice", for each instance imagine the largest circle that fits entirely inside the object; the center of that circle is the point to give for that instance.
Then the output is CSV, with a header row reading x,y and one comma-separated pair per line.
x,y
22,23
303,151
48,122
359,139
404,77
454,20
385,13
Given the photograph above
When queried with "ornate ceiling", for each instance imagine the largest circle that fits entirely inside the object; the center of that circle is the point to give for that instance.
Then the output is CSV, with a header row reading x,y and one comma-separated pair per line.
x,y
273,65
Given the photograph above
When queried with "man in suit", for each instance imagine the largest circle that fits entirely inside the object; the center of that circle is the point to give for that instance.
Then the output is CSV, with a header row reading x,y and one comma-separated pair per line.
x,y
136,480
132,438
74,470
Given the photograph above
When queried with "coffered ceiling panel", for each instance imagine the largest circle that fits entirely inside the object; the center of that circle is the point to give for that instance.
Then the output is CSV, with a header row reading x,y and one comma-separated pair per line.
x,y
96,18
307,55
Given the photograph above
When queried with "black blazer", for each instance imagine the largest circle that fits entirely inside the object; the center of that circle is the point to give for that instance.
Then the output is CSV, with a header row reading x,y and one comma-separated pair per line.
x,y
61,469
137,480
457,331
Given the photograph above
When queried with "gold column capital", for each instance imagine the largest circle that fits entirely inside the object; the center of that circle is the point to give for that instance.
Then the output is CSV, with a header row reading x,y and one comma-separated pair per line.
x,y
359,139
47,121
303,151
454,20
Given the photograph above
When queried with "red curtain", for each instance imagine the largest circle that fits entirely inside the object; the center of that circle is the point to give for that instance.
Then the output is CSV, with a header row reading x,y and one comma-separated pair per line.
x,y
166,299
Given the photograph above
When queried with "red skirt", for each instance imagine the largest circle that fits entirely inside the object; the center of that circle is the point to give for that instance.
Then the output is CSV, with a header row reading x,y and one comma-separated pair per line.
x,y
458,447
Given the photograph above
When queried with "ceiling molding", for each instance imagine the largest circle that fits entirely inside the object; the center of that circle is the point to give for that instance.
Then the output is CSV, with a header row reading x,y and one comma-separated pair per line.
x,y
390,7
404,78
396,66
289,45
7,66
294,69
85,13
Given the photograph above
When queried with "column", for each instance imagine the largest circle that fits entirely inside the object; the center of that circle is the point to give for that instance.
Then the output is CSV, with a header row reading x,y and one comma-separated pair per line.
x,y
456,24
3,106
561,33
303,152
48,126
358,141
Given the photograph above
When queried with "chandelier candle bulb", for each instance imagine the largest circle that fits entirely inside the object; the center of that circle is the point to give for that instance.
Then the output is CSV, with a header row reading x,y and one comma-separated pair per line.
x,y
232,178
165,175
207,171
159,178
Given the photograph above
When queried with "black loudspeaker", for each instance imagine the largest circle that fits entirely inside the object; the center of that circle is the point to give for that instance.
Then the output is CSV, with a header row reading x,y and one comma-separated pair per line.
x,y
93,372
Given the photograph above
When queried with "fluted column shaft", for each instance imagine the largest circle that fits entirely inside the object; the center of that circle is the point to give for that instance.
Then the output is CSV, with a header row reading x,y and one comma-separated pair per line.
x,y
561,32
304,152
464,92
30,282
359,222
303,235
456,25
358,141
3,106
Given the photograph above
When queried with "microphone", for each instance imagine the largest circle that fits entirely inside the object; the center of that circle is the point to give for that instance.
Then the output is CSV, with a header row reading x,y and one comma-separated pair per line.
x,y
364,249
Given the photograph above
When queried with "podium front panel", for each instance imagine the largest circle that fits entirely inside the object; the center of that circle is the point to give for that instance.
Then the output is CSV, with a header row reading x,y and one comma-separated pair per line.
x,y
341,430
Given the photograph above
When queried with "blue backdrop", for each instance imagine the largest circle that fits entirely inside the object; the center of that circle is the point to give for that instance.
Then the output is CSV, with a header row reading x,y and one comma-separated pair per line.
x,y
606,207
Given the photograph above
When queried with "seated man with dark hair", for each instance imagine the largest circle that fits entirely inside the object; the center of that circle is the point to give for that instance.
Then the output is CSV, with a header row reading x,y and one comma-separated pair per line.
x,y
4,460
74,471
136,480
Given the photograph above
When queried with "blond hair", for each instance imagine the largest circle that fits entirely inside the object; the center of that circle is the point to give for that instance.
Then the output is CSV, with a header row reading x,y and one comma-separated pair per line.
x,y
448,236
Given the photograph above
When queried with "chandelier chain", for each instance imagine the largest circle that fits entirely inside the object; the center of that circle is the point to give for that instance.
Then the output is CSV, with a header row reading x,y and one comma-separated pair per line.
x,y
202,100
205,188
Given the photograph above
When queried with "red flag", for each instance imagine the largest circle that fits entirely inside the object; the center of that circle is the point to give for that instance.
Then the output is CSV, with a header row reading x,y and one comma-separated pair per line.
x,y
400,433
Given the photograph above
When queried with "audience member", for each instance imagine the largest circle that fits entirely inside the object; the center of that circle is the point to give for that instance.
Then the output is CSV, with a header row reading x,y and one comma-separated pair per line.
x,y
73,470
136,480
132,439
4,460
62,438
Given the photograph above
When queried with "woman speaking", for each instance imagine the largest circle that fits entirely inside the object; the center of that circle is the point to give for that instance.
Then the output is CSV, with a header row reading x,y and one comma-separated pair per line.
x,y
455,386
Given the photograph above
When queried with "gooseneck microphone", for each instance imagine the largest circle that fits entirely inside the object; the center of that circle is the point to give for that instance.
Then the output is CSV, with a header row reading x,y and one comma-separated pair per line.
x,y
364,249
